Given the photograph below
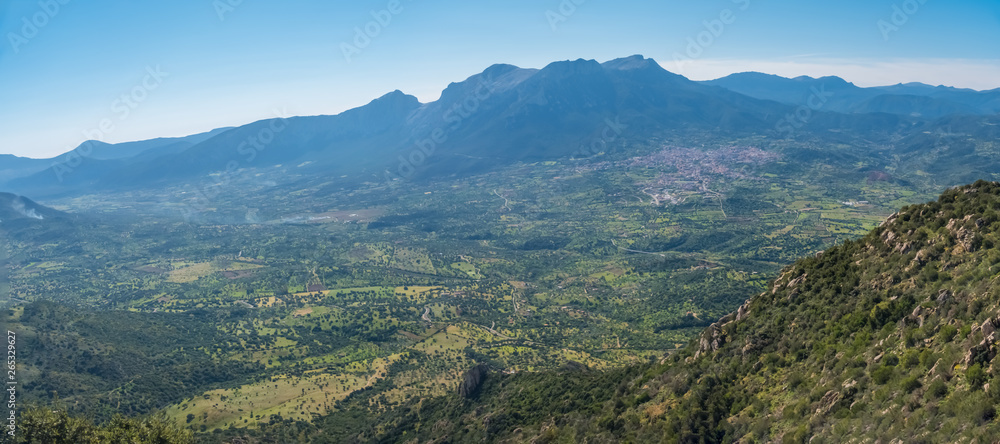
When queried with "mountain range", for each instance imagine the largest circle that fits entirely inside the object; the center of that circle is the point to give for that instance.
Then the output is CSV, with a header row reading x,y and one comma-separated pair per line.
x,y
504,114
514,299
95,157
910,99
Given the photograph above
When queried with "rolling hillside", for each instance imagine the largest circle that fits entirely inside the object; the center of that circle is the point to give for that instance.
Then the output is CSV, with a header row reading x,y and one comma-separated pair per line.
x,y
891,337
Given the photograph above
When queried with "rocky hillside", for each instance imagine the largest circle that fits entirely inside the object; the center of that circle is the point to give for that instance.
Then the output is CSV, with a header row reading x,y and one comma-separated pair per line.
x,y
889,338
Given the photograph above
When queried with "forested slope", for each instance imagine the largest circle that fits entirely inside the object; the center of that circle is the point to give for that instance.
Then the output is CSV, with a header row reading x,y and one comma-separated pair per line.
x,y
889,337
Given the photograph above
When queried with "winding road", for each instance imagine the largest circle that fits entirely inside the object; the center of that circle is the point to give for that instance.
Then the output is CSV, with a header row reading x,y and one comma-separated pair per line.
x,y
506,202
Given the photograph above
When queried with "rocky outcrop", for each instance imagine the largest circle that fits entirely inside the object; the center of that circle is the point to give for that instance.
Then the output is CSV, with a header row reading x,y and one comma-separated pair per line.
x,y
919,315
889,220
795,282
985,351
943,296
472,381
828,402
710,341
967,237
714,337
982,353
988,327
741,313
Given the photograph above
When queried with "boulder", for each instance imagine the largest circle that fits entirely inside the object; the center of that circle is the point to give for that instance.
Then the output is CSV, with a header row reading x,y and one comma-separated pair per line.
x,y
743,311
943,296
988,327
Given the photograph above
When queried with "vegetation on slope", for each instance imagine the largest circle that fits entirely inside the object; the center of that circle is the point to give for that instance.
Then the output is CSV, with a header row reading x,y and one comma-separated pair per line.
x,y
45,426
889,337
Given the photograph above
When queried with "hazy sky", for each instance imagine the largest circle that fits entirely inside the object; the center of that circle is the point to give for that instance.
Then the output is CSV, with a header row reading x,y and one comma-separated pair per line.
x,y
117,71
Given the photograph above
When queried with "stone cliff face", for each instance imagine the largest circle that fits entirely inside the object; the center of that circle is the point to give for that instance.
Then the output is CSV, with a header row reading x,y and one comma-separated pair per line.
x,y
472,381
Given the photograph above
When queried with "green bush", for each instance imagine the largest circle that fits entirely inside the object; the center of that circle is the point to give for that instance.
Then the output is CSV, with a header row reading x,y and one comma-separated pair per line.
x,y
797,436
937,389
947,333
994,391
45,426
910,384
965,331
975,377
926,359
890,360
882,375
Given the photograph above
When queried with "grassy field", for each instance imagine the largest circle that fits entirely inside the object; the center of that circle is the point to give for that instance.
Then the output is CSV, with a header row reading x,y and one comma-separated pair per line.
x,y
183,272
296,398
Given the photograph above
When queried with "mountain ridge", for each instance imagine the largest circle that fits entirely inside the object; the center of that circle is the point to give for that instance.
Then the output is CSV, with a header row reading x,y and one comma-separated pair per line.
x,y
504,114
94,151
936,101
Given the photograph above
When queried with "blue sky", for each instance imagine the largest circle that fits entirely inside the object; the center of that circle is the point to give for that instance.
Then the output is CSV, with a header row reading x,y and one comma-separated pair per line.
x,y
203,64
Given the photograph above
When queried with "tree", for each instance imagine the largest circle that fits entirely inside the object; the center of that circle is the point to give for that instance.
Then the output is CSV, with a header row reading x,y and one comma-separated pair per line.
x,y
46,426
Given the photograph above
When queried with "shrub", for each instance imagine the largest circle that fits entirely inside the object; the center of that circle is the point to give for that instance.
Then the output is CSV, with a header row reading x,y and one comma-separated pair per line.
x,y
994,391
44,425
937,389
882,375
975,376
965,331
926,359
794,380
891,360
910,384
797,436
947,333
985,413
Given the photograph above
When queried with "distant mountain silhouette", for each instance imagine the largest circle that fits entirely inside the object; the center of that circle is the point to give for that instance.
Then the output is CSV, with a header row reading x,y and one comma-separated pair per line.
x,y
911,99
504,114
14,167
